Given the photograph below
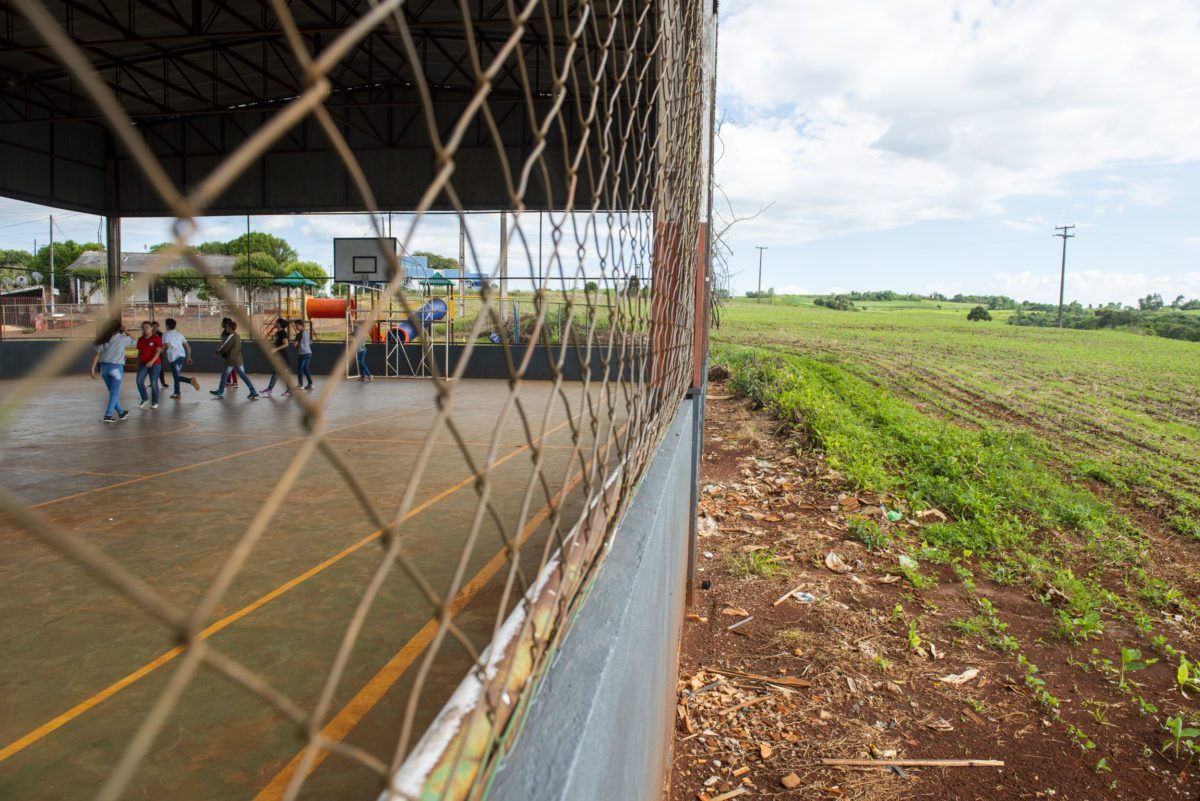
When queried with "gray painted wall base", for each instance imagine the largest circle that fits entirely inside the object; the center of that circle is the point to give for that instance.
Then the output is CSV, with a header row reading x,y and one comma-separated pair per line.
x,y
600,723
18,357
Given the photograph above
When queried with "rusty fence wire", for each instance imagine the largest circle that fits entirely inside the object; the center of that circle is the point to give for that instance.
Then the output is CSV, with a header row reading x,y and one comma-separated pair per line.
x,y
617,150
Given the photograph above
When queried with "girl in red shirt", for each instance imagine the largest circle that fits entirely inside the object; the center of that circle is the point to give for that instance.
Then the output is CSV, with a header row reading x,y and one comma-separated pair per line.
x,y
149,348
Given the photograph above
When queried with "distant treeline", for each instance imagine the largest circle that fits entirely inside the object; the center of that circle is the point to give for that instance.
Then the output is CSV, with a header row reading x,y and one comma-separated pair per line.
x,y
988,301
846,301
1170,322
836,302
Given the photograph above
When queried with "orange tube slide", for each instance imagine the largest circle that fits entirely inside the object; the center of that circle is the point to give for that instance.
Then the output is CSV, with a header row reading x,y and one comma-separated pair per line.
x,y
327,308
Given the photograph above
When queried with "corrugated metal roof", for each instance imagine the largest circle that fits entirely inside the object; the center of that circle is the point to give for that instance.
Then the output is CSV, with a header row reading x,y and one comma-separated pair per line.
x,y
140,262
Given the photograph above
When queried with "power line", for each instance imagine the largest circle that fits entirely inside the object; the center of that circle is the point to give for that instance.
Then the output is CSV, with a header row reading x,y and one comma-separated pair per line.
x,y
1065,233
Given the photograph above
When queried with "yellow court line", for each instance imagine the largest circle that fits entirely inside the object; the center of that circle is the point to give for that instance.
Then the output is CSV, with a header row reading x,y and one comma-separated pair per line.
x,y
373,691
66,717
183,468
24,469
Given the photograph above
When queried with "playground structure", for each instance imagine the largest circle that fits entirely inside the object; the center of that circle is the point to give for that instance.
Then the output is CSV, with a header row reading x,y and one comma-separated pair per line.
x,y
395,328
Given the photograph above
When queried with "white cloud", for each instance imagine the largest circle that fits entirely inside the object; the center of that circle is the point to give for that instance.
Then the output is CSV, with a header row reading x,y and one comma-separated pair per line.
x,y
862,115
1037,223
1094,286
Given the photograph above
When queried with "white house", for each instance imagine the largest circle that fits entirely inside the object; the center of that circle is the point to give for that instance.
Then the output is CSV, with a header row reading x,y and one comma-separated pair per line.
x,y
137,263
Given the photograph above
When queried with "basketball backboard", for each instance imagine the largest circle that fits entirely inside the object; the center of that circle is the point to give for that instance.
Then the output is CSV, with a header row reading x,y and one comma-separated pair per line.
x,y
363,260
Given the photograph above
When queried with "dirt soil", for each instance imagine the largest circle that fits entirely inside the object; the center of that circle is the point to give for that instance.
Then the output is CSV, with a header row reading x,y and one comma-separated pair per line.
x,y
860,663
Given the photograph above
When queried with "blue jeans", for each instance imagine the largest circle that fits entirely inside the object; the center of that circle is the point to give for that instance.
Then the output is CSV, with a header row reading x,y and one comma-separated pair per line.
x,y
275,376
177,371
113,374
241,371
302,362
154,371
362,364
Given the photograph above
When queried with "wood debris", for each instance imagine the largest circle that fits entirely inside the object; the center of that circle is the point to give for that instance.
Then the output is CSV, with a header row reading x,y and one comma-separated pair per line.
x,y
916,763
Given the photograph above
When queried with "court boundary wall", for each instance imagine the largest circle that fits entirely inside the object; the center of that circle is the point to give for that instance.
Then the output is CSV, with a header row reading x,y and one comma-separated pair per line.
x,y
18,358
603,711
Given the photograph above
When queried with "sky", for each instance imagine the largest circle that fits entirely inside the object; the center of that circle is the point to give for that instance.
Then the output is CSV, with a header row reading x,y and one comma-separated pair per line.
x,y
928,145
933,145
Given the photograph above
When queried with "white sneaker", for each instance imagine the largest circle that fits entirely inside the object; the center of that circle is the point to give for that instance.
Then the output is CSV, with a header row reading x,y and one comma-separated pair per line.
x,y
154,406
143,404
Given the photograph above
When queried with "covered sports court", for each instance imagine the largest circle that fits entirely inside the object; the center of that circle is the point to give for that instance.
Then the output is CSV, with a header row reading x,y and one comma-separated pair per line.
x,y
167,493
357,591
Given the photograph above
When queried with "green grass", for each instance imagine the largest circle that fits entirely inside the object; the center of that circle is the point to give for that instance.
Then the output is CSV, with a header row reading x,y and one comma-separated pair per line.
x,y
762,563
883,395
1009,505
1114,407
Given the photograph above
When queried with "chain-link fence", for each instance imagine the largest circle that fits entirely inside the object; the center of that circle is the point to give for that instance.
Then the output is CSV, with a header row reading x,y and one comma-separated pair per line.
x,y
613,161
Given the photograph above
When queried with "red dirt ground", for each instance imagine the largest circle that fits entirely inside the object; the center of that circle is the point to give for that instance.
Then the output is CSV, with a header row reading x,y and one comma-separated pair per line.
x,y
871,693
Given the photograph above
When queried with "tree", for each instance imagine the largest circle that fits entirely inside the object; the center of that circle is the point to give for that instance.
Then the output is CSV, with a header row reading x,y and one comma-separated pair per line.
x,y
835,302
14,264
590,287
979,314
436,261
1178,302
259,272
181,282
1152,302
65,254
275,247
92,278
310,270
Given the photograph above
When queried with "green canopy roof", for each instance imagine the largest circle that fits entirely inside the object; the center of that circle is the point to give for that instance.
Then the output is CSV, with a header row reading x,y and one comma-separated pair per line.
x,y
437,279
294,278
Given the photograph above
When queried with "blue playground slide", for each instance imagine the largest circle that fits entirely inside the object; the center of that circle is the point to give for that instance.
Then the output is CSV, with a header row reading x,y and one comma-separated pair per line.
x,y
431,312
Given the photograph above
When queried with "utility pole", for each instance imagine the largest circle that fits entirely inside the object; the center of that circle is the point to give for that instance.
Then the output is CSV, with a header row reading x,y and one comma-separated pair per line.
x,y
758,296
462,260
52,264
249,291
503,264
1065,233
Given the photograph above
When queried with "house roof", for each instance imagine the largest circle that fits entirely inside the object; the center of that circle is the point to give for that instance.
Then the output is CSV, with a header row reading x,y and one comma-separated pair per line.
x,y
425,275
140,262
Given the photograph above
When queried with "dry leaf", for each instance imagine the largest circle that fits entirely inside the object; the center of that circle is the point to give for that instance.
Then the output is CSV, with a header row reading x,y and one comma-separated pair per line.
x,y
734,611
790,781
765,750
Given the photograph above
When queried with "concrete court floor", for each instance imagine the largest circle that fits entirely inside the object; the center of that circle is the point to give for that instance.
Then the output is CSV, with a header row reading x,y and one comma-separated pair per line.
x,y
166,494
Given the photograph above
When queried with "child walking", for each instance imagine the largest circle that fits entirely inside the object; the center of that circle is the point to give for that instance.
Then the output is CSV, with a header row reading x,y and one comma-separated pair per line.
x,y
150,348
110,343
178,350
164,361
231,379
364,373
280,346
231,350
303,343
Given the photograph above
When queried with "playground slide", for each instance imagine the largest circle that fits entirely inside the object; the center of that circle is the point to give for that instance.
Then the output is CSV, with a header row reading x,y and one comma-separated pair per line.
x,y
431,312
333,308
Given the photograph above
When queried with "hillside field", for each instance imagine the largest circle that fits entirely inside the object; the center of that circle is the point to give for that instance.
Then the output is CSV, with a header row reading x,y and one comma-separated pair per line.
x,y
1039,492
